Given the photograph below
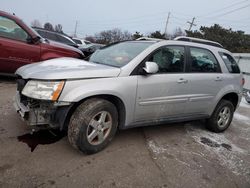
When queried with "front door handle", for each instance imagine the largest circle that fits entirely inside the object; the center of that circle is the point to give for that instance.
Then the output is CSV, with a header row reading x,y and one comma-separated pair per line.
x,y
181,80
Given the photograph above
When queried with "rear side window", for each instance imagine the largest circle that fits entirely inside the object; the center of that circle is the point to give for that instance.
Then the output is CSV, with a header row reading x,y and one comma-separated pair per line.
x,y
51,36
64,40
203,60
230,63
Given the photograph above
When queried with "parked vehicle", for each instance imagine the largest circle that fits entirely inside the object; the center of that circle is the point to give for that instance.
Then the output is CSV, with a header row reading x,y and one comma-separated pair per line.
x,y
129,84
89,49
21,45
81,42
243,60
246,89
55,36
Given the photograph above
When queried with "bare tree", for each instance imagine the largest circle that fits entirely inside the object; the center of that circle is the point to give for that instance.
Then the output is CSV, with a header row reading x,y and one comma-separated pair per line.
x,y
36,23
178,32
58,28
90,39
137,35
114,35
48,26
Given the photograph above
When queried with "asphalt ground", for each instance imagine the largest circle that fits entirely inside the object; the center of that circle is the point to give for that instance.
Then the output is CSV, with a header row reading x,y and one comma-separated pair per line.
x,y
172,155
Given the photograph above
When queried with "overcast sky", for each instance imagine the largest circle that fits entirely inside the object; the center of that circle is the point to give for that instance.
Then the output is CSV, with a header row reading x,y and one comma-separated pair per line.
x,y
132,15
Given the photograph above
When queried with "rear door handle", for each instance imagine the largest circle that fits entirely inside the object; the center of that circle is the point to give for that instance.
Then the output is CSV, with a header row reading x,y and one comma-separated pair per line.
x,y
181,80
218,79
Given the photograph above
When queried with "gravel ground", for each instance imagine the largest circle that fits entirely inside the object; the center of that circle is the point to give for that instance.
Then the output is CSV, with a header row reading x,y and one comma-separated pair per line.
x,y
173,155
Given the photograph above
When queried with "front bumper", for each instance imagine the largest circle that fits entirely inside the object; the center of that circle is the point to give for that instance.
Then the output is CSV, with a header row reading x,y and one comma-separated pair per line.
x,y
19,107
38,113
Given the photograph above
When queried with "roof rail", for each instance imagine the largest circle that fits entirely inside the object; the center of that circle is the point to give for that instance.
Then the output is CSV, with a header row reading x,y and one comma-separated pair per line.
x,y
150,39
197,40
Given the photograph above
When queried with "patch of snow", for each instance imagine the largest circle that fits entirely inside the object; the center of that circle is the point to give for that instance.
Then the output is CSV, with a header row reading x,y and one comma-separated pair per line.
x,y
241,117
154,148
228,158
159,150
244,103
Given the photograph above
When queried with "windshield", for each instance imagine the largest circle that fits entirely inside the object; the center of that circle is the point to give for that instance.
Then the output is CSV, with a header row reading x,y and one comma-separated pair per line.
x,y
119,54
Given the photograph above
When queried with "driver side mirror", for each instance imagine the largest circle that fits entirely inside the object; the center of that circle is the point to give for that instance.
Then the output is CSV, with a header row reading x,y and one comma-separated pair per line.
x,y
31,40
151,67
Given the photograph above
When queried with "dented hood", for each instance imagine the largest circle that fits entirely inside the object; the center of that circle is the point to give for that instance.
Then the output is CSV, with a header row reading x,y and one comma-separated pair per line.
x,y
66,68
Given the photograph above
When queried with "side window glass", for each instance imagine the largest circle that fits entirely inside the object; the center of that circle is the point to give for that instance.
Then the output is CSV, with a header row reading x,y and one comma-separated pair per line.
x,y
51,36
203,60
170,59
42,33
9,29
230,63
64,40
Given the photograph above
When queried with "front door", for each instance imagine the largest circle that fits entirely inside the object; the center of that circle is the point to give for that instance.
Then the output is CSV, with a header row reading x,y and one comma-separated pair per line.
x,y
164,94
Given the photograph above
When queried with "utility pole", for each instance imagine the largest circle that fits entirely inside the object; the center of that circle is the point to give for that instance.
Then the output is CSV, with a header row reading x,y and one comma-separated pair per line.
x,y
166,35
75,28
191,24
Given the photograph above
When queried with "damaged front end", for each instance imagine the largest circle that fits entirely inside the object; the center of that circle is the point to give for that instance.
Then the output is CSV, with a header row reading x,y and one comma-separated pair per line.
x,y
40,113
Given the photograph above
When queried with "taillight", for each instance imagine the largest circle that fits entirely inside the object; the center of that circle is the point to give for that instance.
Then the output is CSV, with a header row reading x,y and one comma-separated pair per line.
x,y
242,81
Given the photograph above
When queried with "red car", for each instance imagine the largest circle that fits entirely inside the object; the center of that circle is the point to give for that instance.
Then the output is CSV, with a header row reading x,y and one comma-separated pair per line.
x,y
21,45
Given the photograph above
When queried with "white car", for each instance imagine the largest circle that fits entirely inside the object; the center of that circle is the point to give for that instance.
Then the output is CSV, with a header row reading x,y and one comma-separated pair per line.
x,y
81,42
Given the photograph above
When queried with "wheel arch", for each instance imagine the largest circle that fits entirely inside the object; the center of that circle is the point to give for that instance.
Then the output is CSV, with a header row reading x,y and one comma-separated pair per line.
x,y
117,101
232,97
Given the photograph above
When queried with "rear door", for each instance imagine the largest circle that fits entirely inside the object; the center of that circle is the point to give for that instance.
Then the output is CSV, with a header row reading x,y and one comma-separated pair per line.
x,y
164,94
14,49
205,80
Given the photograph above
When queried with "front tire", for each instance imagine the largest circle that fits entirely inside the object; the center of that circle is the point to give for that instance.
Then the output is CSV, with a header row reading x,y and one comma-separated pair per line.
x,y
93,125
221,117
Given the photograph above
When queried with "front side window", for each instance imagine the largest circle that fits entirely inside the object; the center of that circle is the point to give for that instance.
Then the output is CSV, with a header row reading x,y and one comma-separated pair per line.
x,y
120,54
9,29
203,60
230,63
169,59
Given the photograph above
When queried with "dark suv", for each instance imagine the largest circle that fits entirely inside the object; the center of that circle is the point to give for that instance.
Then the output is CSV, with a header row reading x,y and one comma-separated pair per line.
x,y
55,36
21,45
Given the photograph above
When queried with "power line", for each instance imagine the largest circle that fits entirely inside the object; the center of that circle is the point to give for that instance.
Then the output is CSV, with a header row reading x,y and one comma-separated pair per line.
x,y
218,10
231,11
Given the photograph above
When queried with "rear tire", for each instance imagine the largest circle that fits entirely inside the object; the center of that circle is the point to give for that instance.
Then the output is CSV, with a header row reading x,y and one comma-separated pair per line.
x,y
93,125
221,117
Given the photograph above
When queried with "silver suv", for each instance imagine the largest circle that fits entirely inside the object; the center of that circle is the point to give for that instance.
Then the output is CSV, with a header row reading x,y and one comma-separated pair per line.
x,y
129,84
